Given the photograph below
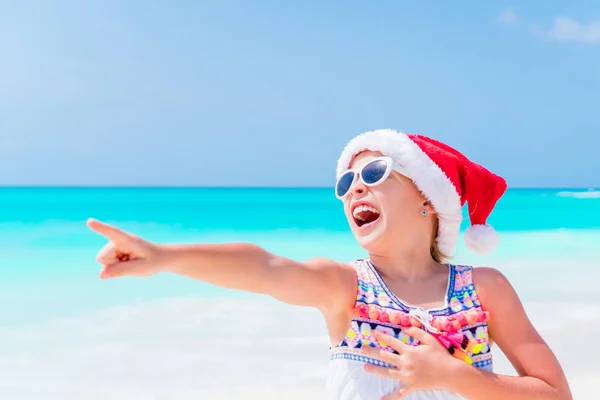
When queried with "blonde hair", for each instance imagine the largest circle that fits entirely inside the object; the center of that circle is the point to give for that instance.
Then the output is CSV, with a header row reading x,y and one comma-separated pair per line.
x,y
436,254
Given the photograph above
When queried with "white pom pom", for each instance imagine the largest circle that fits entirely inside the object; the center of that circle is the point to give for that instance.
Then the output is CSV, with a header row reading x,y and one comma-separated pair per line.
x,y
481,239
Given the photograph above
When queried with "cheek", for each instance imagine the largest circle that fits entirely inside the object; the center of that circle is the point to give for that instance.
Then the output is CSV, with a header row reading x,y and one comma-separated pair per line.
x,y
347,211
389,194
395,202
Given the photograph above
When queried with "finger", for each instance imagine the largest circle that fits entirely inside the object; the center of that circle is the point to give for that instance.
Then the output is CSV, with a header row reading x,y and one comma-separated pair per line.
x,y
369,351
384,372
391,341
114,234
107,255
421,335
398,394
382,355
124,268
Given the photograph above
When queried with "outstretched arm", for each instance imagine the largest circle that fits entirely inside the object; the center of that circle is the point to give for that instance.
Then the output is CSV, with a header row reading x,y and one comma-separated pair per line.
x,y
540,374
321,283
317,282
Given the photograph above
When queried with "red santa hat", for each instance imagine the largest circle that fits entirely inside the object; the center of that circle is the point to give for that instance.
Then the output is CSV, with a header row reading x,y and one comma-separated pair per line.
x,y
446,178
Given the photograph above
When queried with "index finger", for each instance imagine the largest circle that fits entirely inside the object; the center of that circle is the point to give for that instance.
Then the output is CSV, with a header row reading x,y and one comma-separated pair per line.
x,y
112,233
420,335
391,341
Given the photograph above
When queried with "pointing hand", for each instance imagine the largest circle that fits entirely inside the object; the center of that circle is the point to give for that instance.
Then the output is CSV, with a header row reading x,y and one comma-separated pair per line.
x,y
125,254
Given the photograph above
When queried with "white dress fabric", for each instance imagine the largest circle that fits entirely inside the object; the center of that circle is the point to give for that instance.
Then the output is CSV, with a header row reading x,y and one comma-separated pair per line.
x,y
377,308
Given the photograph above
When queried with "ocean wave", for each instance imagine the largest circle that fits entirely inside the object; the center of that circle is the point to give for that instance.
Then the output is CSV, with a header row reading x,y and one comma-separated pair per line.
x,y
590,194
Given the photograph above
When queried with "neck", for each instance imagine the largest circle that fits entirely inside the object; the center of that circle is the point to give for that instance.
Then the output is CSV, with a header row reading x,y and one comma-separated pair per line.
x,y
412,263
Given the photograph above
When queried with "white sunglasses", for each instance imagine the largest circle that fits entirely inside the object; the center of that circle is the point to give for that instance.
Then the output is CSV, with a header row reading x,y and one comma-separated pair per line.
x,y
371,174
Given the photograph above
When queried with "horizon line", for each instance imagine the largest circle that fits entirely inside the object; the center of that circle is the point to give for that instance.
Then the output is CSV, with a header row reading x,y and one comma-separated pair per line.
x,y
74,186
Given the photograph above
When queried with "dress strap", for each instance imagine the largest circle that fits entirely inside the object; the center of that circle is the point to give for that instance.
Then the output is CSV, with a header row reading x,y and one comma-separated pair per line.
x,y
463,294
364,278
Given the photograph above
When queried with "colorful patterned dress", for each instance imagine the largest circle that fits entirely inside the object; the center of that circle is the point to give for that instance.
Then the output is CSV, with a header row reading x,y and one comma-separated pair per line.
x,y
461,323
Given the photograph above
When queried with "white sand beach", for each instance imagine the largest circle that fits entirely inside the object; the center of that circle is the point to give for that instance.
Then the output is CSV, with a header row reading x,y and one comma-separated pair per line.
x,y
237,348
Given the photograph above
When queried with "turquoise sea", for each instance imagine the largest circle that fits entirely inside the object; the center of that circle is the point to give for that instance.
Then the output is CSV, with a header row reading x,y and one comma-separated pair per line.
x,y
167,337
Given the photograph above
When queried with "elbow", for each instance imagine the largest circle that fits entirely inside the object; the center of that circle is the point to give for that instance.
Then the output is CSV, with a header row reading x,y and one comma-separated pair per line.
x,y
565,395
253,254
562,391
558,391
265,267
249,269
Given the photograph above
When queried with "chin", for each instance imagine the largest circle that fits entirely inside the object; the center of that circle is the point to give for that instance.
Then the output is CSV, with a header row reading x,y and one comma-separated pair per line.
x,y
369,237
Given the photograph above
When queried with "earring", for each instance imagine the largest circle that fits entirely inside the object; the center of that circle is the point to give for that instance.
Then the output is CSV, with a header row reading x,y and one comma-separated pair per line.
x,y
424,213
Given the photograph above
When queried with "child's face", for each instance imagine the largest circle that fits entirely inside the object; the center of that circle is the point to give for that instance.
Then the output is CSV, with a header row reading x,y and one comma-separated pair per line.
x,y
383,214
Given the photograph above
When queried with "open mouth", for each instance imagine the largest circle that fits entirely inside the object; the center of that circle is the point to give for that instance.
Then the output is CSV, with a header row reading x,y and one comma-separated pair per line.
x,y
365,214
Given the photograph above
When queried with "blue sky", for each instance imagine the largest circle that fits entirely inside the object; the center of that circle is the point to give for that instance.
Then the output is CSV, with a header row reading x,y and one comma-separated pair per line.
x,y
268,92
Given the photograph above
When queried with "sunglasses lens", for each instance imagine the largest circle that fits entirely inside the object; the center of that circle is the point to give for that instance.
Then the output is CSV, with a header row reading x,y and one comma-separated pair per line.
x,y
374,171
344,183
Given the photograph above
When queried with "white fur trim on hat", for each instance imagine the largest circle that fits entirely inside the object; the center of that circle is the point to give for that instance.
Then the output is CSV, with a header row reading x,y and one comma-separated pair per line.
x,y
426,174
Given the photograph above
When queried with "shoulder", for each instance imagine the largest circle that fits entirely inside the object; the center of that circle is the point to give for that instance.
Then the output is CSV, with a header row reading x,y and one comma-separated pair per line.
x,y
328,263
342,273
493,288
341,281
350,267
488,278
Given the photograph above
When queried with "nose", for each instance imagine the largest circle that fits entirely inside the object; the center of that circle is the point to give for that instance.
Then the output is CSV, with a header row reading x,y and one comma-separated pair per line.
x,y
358,187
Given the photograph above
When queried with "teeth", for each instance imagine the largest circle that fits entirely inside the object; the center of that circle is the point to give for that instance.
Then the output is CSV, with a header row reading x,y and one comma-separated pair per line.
x,y
358,210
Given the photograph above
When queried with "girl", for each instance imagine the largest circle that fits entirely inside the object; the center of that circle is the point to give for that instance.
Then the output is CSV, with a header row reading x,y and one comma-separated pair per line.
x,y
403,322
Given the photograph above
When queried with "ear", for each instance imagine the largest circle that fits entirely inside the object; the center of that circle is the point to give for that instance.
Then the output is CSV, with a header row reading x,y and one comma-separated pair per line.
x,y
428,207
